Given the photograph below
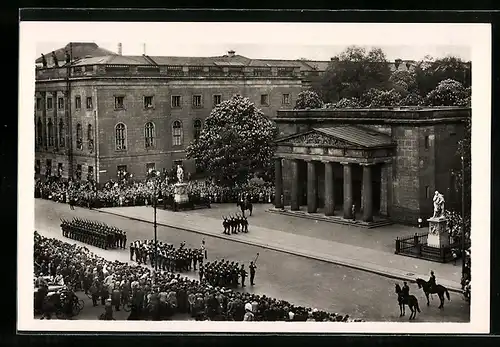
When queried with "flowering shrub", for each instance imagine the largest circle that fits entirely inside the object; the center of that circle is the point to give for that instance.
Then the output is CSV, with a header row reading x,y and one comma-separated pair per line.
x,y
308,99
448,93
345,103
236,141
381,98
412,99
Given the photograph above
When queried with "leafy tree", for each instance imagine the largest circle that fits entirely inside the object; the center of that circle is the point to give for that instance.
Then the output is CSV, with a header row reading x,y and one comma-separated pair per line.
x,y
346,103
308,99
429,72
403,81
412,99
352,73
448,93
236,142
380,98
463,181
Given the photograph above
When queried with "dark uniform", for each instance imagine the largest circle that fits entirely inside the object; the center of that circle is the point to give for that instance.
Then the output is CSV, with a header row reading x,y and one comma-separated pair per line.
x,y
243,274
406,290
252,272
432,281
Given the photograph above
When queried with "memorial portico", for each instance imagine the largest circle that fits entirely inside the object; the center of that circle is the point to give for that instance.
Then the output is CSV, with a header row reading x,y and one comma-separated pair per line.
x,y
333,168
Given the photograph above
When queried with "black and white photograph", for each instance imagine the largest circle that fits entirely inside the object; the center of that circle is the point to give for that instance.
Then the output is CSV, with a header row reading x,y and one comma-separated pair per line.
x,y
254,177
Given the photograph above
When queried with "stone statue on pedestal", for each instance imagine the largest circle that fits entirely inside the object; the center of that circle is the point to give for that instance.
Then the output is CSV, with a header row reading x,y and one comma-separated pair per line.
x,y
180,174
438,201
438,236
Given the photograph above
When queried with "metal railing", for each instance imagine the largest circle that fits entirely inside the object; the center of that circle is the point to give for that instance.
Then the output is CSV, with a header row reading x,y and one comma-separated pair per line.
x,y
416,246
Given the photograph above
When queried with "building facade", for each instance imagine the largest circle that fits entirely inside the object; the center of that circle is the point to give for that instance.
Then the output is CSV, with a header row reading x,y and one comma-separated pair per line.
x,y
385,162
98,115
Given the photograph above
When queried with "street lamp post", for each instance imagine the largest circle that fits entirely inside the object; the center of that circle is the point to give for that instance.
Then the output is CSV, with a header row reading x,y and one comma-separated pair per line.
x,y
154,176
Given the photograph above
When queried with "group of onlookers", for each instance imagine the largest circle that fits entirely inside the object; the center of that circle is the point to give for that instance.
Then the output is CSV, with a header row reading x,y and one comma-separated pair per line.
x,y
151,295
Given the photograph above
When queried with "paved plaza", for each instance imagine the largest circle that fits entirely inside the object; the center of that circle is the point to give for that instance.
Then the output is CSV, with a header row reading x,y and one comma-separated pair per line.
x,y
302,280
365,249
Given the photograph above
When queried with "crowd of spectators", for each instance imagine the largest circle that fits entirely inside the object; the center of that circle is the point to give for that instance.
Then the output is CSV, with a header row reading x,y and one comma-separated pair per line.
x,y
160,295
140,193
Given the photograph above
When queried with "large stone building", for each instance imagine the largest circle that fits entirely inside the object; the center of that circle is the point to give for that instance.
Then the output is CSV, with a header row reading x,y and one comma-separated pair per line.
x,y
102,112
387,162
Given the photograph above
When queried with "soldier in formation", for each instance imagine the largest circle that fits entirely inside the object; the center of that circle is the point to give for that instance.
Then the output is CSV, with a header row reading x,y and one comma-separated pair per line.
x,y
94,233
170,259
223,273
235,224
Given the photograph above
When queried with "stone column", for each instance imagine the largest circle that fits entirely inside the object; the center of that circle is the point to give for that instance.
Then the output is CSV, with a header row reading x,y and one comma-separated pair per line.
x,y
347,190
367,193
329,189
278,184
312,187
295,201
384,188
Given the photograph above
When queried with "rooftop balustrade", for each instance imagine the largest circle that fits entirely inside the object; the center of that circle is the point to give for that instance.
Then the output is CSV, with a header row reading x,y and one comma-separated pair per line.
x,y
169,71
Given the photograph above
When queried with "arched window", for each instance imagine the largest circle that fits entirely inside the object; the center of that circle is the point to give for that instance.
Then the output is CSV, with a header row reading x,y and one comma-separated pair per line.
x,y
79,136
90,137
177,133
61,133
50,132
197,128
120,137
149,135
39,131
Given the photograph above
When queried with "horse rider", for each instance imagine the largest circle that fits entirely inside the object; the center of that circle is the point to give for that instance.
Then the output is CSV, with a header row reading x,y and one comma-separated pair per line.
x,y
432,281
406,290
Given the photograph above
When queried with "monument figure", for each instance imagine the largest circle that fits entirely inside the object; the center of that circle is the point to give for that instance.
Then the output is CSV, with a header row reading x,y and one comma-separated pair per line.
x,y
54,58
44,61
180,174
438,236
438,205
180,188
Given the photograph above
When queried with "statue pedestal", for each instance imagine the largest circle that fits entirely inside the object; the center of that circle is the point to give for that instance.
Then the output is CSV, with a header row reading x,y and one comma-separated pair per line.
x,y
180,193
438,235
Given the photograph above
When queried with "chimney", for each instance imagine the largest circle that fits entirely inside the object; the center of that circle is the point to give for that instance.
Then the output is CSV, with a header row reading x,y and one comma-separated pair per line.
x,y
120,48
231,53
144,48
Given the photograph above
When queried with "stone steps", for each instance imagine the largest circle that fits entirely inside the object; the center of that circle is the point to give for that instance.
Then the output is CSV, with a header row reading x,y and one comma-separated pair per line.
x,y
332,219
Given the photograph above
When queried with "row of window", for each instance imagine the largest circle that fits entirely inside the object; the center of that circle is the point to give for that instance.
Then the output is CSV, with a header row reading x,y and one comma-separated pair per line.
x,y
148,101
59,173
120,134
150,134
51,129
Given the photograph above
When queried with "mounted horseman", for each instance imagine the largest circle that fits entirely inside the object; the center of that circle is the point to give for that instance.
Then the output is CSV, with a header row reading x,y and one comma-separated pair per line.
x,y
245,204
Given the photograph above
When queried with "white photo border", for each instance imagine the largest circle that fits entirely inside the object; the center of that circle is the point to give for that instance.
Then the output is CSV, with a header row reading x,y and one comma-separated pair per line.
x,y
475,36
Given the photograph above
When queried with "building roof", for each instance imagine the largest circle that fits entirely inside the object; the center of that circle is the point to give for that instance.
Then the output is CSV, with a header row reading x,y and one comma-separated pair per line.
x,y
78,50
356,135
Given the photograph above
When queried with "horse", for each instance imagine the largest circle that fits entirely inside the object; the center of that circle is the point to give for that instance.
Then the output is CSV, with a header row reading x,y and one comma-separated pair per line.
x,y
409,300
245,205
438,289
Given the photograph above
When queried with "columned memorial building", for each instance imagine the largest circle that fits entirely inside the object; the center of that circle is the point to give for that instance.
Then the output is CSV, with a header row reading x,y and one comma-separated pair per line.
x,y
387,163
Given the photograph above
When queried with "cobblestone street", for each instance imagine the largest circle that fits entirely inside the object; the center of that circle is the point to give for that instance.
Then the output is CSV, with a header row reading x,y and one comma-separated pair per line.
x,y
296,279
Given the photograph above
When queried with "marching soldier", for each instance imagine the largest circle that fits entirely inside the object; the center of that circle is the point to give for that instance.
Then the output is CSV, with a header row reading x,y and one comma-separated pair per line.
x,y
252,272
132,250
243,274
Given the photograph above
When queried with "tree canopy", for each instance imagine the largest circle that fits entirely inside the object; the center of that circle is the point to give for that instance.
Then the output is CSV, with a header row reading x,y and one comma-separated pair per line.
x,y
352,72
364,78
236,142
308,99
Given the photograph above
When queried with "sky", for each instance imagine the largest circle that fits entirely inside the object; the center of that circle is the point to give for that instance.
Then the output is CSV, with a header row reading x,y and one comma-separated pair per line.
x,y
314,41
288,51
